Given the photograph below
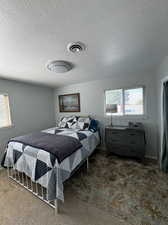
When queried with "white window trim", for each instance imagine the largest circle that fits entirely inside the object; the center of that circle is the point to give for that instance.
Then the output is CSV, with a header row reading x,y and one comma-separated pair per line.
x,y
10,116
126,116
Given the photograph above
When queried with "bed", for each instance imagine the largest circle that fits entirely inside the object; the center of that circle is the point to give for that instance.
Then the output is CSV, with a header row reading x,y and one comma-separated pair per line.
x,y
42,172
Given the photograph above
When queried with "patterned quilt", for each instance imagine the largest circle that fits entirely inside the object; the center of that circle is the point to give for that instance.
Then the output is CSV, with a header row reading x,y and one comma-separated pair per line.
x,y
43,167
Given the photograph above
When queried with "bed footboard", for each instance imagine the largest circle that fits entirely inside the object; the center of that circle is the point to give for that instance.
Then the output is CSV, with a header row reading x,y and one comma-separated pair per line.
x,y
35,188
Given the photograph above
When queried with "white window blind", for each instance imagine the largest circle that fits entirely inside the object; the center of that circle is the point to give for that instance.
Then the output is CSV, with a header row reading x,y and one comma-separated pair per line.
x,y
5,117
125,101
114,98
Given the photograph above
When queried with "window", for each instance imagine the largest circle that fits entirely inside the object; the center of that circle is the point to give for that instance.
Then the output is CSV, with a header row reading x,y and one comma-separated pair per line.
x,y
114,98
5,118
125,101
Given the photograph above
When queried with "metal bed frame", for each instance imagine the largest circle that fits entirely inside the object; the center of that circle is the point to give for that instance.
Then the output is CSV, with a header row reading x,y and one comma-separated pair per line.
x,y
35,188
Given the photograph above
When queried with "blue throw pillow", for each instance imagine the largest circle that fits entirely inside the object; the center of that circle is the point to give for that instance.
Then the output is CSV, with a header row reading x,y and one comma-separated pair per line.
x,y
93,126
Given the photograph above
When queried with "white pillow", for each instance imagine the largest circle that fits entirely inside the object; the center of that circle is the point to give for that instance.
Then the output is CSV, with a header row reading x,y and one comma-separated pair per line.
x,y
84,123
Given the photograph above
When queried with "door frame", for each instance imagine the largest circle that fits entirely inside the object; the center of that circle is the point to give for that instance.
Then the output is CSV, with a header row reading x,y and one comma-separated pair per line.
x,y
161,116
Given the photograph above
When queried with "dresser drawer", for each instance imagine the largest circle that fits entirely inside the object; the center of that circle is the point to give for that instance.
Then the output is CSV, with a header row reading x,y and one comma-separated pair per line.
x,y
136,139
114,132
114,136
114,141
133,132
123,150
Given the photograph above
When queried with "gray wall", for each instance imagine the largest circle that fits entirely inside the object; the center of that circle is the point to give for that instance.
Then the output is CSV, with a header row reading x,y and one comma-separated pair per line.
x,y
92,102
31,109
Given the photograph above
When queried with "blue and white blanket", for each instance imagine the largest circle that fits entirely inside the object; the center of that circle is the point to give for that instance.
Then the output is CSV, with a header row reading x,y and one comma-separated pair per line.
x,y
43,167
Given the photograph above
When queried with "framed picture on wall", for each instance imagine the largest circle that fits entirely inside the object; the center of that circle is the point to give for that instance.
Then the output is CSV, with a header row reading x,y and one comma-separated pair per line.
x,y
69,102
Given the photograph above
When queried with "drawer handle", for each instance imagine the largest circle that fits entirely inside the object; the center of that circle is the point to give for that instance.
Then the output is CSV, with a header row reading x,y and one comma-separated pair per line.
x,y
133,134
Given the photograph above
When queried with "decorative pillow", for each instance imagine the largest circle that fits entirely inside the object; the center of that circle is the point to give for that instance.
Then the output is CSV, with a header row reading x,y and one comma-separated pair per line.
x,y
93,126
83,123
66,122
74,124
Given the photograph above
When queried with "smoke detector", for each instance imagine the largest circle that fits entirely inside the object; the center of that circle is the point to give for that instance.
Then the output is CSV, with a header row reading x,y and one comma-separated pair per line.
x,y
59,66
76,47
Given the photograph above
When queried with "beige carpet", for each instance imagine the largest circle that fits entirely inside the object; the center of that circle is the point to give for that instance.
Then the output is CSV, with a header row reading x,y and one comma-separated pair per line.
x,y
19,207
114,191
134,192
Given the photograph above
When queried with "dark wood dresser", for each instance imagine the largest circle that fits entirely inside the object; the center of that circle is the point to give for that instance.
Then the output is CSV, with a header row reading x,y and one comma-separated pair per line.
x,y
125,141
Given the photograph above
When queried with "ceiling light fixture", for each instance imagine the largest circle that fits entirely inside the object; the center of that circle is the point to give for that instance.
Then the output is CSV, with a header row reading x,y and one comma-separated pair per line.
x,y
59,66
76,47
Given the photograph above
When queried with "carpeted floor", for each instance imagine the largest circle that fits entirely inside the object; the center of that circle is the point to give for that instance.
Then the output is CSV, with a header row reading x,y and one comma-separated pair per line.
x,y
134,192
114,191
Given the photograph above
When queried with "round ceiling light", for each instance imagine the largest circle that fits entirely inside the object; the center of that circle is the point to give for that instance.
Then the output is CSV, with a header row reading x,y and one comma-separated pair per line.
x,y
76,47
59,66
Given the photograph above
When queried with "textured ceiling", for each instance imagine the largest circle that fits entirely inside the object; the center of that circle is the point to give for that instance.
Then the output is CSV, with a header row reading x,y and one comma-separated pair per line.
x,y
123,36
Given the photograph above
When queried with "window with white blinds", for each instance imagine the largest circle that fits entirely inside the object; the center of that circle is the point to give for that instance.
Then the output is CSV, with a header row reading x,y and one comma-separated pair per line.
x,y
123,101
5,117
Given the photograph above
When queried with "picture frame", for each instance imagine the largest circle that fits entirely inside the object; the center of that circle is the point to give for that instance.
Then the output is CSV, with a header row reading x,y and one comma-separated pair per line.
x,y
69,102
